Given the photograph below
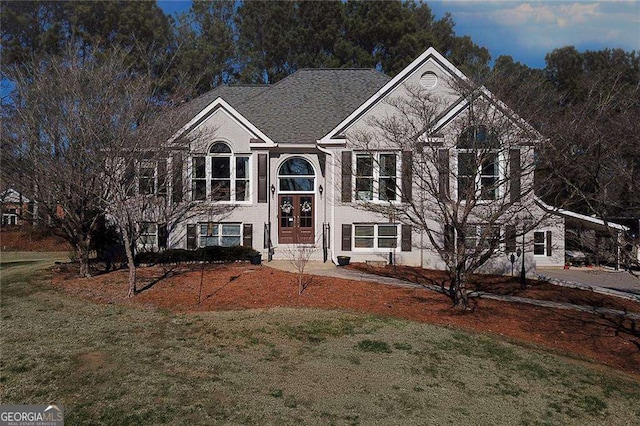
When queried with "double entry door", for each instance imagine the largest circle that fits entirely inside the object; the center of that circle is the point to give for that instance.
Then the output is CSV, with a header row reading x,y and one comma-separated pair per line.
x,y
296,214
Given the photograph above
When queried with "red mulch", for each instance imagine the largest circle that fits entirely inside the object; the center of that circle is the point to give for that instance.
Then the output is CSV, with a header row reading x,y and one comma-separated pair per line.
x,y
506,286
606,340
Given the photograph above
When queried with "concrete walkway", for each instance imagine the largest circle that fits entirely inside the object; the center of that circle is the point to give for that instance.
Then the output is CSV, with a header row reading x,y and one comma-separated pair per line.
x,y
605,278
328,269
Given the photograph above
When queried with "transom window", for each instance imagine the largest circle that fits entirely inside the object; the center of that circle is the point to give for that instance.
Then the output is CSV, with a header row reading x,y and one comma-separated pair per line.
x,y
376,176
221,175
219,234
296,175
376,236
478,164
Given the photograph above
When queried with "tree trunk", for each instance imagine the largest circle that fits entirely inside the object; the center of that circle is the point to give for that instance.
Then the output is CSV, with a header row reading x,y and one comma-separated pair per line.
x,y
128,249
458,291
82,252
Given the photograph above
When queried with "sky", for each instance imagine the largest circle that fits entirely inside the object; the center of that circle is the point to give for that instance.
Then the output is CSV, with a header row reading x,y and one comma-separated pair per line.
x,y
528,30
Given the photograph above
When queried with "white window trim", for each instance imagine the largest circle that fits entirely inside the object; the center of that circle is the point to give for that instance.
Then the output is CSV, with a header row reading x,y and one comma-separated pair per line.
x,y
376,177
314,177
219,225
544,242
154,235
9,219
375,248
147,164
502,173
208,177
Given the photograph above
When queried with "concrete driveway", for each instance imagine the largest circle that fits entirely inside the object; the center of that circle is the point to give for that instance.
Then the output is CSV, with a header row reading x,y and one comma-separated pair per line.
x,y
596,277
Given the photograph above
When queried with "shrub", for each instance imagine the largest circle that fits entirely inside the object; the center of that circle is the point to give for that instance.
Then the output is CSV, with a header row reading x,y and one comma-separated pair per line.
x,y
205,254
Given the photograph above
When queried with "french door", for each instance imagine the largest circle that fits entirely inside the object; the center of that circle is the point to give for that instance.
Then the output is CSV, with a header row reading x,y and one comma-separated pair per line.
x,y
296,223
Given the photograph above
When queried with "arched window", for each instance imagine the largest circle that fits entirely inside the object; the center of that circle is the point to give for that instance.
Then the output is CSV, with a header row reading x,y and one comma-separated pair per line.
x,y
296,175
478,170
221,175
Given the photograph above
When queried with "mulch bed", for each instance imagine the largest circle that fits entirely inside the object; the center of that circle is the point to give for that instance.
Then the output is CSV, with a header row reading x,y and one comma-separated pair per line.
x,y
506,286
608,340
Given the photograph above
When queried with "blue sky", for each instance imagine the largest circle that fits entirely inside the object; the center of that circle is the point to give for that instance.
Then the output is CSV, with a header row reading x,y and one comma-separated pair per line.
x,y
527,30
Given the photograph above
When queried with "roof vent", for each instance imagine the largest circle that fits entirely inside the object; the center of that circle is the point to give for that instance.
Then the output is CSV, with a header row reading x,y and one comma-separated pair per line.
x,y
429,80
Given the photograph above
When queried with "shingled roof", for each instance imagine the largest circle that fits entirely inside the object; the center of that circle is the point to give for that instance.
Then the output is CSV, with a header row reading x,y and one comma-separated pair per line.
x,y
302,107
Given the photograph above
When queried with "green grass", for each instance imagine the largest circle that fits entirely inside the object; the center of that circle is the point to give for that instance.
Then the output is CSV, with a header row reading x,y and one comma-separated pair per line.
x,y
111,364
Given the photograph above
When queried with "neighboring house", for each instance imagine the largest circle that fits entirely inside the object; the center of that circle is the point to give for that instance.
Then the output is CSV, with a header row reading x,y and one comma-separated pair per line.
x,y
283,156
15,207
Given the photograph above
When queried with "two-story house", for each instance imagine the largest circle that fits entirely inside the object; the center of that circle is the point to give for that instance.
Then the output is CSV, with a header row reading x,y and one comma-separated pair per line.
x,y
288,158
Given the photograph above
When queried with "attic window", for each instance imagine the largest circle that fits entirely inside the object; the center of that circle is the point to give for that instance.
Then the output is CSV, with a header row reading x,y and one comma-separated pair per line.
x,y
429,80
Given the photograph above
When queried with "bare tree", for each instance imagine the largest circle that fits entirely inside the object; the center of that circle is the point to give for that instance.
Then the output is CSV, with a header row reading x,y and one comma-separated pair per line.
x,y
62,118
298,255
88,137
466,179
594,161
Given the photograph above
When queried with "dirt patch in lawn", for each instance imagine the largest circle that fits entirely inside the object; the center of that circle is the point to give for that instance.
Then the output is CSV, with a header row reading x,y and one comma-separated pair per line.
x,y
609,340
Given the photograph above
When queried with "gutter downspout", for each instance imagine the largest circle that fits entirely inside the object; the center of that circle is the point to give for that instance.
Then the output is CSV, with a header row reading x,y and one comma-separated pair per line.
x,y
329,154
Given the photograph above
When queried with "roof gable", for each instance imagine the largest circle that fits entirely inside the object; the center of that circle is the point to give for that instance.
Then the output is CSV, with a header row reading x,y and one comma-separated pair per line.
x,y
430,55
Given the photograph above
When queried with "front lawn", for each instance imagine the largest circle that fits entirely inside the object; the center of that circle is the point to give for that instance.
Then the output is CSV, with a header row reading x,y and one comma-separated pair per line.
x,y
143,363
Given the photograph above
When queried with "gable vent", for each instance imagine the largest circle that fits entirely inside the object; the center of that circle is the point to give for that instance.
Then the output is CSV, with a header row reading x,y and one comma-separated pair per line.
x,y
429,80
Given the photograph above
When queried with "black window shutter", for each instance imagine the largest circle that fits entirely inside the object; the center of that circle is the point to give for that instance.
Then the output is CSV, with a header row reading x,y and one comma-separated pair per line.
x,y
176,178
192,237
346,237
162,235
515,172
262,178
549,243
510,238
406,238
443,173
347,191
407,175
247,235
162,176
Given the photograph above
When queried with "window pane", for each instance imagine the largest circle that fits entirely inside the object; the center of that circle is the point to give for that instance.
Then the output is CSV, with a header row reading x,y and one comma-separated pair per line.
x,y
198,167
387,164
387,188
220,147
228,230
361,242
199,189
538,237
364,188
387,242
208,241
490,164
465,187
242,190
297,184
296,166
466,164
221,167
242,167
364,165
230,241
387,230
221,190
364,231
